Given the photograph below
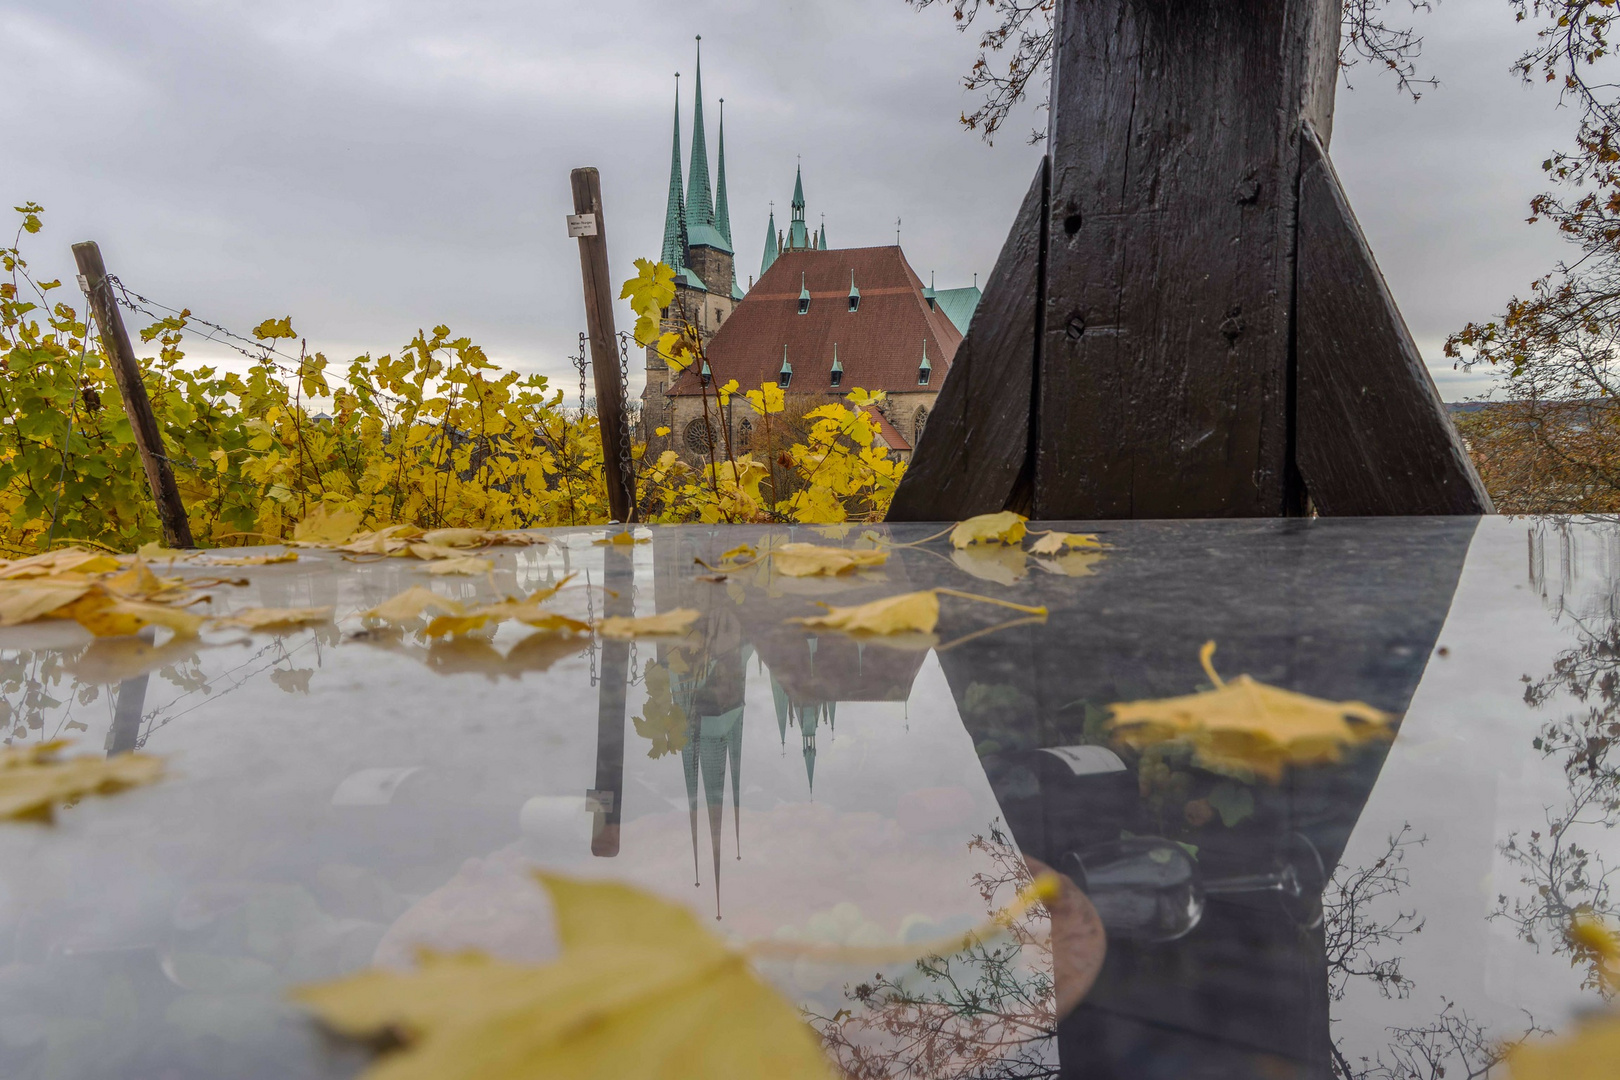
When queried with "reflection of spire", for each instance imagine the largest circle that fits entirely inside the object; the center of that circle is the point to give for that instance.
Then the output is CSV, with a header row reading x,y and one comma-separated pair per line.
x,y
689,761
734,754
807,728
783,708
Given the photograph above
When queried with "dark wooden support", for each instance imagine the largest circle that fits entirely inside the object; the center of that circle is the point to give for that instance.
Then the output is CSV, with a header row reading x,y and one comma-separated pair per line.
x,y
606,799
1213,337
137,406
1373,435
983,412
617,469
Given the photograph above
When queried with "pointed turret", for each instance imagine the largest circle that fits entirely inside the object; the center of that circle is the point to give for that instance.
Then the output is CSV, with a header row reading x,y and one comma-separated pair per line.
x,y
722,207
674,253
798,194
821,239
699,198
770,245
799,237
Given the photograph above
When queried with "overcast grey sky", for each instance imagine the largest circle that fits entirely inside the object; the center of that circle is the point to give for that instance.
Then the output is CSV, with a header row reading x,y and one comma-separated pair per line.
x,y
375,166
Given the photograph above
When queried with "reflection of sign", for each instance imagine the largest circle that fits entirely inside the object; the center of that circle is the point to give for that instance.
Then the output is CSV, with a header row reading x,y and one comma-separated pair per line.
x,y
581,224
1086,760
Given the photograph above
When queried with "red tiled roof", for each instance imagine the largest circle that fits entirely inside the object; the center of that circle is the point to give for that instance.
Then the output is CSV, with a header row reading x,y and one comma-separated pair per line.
x,y
890,434
880,345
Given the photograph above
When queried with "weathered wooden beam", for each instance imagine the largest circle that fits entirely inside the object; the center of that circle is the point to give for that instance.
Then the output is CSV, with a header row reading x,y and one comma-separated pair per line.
x,y
137,406
978,436
1373,437
618,470
1165,374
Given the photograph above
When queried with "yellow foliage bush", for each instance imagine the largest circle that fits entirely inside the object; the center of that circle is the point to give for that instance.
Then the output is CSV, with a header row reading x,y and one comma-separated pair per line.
x,y
436,436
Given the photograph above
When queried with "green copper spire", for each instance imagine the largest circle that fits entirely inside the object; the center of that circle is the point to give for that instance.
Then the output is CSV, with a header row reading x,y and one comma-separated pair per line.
x,y
674,253
798,194
821,241
770,245
699,198
722,208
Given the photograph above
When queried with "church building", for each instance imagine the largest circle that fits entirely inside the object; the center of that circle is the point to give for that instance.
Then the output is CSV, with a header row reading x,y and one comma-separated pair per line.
x,y
819,321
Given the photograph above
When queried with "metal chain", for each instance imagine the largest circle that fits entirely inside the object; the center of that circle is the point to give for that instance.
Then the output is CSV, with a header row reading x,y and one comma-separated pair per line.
x,y
590,617
626,467
579,365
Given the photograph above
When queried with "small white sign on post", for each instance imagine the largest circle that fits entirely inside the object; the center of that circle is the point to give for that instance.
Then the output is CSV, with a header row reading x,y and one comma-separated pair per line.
x,y
581,224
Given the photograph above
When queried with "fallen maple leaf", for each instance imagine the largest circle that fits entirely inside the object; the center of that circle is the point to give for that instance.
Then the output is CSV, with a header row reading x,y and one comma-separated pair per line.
x,y
326,526
1053,542
106,615
275,618
61,561
1246,725
253,560
35,779
907,613
640,990
412,603
623,628
1006,527
813,560
26,599
465,564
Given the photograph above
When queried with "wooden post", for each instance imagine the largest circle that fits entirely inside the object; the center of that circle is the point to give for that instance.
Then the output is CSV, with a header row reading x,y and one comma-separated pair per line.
x,y
1186,321
137,406
588,226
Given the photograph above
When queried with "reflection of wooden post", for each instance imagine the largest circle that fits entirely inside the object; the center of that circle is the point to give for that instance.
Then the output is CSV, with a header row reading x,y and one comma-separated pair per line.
x,y
588,226
606,800
126,725
137,406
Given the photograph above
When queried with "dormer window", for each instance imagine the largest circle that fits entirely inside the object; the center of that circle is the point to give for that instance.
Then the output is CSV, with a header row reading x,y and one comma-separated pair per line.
x,y
804,297
837,368
784,376
929,294
854,293
925,369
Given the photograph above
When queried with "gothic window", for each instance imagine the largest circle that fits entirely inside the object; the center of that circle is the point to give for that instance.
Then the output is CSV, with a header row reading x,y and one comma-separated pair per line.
x,y
699,437
745,434
918,419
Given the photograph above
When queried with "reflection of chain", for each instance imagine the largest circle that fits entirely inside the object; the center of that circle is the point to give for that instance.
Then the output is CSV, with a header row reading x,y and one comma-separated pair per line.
x,y
635,669
626,468
579,364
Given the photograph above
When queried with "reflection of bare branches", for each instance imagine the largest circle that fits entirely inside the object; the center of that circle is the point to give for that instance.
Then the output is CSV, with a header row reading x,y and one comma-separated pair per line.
x,y
1355,934
987,1012
1453,1046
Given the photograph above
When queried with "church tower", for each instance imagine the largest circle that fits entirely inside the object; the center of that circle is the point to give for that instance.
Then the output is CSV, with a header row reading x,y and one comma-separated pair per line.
x,y
697,244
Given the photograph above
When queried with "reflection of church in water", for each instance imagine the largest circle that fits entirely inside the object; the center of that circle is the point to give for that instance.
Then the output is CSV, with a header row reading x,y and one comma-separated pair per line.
x,y
809,677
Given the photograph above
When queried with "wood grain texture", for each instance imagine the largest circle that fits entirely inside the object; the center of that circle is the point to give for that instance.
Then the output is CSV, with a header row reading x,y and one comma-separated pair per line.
x,y
137,406
1373,437
617,469
977,439
1165,383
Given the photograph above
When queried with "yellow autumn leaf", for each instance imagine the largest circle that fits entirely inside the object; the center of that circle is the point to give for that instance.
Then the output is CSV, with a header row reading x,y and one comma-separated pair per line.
x,y
412,603
1005,565
1053,542
1003,528
621,539
156,552
812,560
1072,563
260,618
105,615
640,989
253,560
1589,1053
324,525
26,599
454,538
467,564
664,725
1246,725
908,613
530,614
62,561
769,399
136,583
623,628
34,780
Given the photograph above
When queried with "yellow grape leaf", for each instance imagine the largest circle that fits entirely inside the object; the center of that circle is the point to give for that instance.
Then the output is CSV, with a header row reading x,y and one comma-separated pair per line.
x,y
26,599
1590,1053
660,431
411,603
136,583
326,526
35,779
621,539
155,551
254,560
1246,725
768,399
623,628
1004,565
467,564
62,561
108,616
1054,542
908,613
812,560
640,989
1072,563
1003,528
665,723
264,618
